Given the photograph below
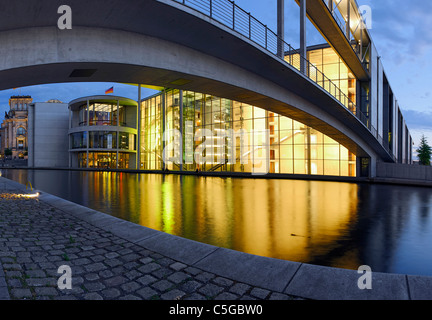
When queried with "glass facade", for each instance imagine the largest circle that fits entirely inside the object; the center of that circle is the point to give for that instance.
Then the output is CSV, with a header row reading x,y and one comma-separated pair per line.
x,y
102,114
218,134
329,71
332,66
103,133
103,160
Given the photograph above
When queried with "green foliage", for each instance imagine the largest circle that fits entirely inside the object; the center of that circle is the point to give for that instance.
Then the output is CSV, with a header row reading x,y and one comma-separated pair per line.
x,y
424,152
8,152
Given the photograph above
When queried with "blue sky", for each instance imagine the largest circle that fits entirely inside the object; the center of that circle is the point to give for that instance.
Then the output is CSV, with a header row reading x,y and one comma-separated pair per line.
x,y
401,32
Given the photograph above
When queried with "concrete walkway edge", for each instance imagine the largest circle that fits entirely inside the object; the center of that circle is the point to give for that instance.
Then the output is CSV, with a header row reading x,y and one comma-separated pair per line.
x,y
293,278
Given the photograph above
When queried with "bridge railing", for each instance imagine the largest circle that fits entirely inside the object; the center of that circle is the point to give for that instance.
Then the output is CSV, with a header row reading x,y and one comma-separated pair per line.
x,y
238,20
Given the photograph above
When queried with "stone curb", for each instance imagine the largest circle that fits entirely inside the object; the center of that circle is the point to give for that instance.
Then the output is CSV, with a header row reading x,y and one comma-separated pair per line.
x,y
293,278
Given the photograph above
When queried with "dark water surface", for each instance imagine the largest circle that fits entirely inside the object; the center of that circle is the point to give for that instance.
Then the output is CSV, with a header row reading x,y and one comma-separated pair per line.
x,y
334,224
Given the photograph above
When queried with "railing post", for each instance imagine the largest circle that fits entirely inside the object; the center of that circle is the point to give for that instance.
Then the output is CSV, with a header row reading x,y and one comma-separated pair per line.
x,y
265,36
250,32
233,15
211,8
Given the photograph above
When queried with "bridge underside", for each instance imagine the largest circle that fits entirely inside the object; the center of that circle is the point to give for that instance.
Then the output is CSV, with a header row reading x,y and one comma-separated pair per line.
x,y
224,65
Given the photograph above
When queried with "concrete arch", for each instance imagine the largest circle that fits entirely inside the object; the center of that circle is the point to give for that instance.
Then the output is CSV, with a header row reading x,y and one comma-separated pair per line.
x,y
156,42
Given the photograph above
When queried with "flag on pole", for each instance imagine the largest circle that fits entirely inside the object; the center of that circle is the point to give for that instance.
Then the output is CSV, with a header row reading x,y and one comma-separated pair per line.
x,y
110,90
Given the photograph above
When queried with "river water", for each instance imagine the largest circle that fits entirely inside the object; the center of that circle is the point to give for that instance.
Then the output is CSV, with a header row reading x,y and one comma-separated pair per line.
x,y
336,224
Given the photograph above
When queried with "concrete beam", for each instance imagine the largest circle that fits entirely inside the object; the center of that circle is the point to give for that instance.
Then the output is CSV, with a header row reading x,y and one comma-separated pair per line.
x,y
142,43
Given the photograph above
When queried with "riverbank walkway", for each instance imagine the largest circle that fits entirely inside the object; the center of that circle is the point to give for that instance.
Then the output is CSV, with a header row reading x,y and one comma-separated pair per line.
x,y
113,259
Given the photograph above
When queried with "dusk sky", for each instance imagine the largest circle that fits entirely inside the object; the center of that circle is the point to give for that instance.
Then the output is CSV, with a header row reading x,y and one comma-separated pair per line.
x,y
401,32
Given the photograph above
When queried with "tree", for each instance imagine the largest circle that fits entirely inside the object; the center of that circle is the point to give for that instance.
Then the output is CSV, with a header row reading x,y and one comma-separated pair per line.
x,y
8,152
424,152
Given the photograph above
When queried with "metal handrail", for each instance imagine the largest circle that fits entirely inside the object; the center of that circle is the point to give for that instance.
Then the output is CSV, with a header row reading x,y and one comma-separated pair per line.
x,y
242,22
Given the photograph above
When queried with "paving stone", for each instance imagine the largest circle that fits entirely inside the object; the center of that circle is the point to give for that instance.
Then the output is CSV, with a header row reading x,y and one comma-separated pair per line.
x,y
173,295
162,273
130,297
46,291
95,267
104,266
93,296
130,286
190,286
14,283
91,276
178,277
149,267
226,296
115,281
239,288
146,280
94,286
133,274
41,282
130,257
205,276
223,281
193,271
162,285
279,296
147,293
21,293
110,293
113,262
177,266
259,293
35,273
195,296
210,290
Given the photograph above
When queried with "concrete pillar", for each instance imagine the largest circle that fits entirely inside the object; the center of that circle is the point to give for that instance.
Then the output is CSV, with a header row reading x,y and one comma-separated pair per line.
x,y
181,128
163,125
118,133
348,23
88,134
281,27
138,122
303,36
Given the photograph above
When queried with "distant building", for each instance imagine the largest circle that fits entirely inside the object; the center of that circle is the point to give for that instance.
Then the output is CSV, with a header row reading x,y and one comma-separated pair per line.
x,y
48,124
103,133
13,132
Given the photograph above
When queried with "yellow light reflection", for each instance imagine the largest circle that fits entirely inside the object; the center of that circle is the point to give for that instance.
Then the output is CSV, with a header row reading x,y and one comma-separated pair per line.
x,y
168,217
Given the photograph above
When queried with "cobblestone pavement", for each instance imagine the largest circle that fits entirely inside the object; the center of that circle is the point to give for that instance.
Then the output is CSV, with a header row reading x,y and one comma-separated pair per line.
x,y
36,238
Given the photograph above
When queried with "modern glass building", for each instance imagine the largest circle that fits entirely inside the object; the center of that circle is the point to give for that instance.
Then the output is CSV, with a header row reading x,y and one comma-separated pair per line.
x,y
184,129
228,136
102,132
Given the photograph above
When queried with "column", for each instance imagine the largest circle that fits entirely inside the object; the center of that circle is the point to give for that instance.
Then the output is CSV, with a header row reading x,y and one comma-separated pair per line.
x,y
163,125
88,132
281,27
348,23
138,146
118,133
303,36
181,128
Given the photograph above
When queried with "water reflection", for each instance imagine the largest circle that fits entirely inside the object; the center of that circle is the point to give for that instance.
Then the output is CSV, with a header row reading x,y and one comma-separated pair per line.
x,y
335,224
